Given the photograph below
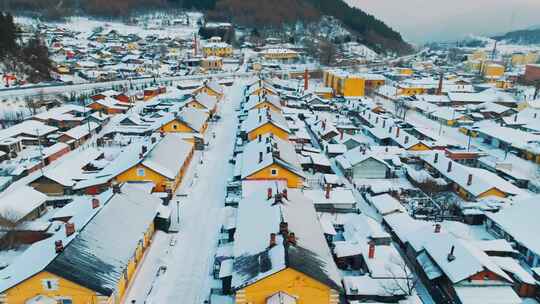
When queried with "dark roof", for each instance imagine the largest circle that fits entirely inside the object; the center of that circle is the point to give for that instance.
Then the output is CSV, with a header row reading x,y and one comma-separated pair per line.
x,y
99,255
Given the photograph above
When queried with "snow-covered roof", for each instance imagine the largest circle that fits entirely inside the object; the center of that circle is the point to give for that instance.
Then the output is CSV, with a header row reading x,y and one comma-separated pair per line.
x,y
489,95
167,157
520,220
206,100
81,131
487,295
17,203
255,260
97,258
482,180
367,286
254,100
274,151
69,169
259,117
337,196
386,204
28,127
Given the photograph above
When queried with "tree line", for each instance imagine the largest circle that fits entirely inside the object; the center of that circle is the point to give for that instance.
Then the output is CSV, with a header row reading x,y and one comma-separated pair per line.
x,y
28,57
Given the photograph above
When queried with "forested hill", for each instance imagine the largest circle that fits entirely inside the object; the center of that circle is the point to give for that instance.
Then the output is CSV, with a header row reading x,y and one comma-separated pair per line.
x,y
531,36
260,13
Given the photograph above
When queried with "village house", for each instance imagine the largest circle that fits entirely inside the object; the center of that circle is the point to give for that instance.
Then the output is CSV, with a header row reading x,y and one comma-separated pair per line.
x,y
269,157
211,87
265,121
203,101
274,253
82,262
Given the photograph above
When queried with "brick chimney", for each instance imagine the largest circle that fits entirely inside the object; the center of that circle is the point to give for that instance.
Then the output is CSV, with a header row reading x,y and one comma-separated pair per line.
x,y
70,229
95,203
449,169
437,228
269,193
397,132
327,191
273,241
469,180
371,252
306,80
58,246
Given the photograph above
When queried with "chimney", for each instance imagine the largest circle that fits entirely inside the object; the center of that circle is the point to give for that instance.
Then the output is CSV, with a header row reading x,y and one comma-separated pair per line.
x,y
340,134
469,180
449,169
436,159
371,252
95,203
144,149
291,239
406,139
377,119
324,125
260,157
327,191
70,229
116,188
397,132
451,255
272,240
437,228
386,149
259,137
285,194
390,129
161,134
141,155
384,123
58,246
439,89
306,80
153,140
283,228
260,118
268,149
269,193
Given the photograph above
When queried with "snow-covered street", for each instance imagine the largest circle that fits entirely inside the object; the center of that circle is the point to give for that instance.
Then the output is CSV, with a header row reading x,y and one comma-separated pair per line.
x,y
188,262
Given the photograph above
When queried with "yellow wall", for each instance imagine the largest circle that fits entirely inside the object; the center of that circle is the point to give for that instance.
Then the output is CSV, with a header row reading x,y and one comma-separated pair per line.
x,y
217,51
262,91
419,147
176,126
405,71
292,282
208,91
268,128
494,70
265,105
293,180
353,87
159,180
493,192
412,91
33,287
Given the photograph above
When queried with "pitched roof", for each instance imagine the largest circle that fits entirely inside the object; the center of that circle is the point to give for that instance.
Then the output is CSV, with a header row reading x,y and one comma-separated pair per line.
x,y
259,117
97,257
254,260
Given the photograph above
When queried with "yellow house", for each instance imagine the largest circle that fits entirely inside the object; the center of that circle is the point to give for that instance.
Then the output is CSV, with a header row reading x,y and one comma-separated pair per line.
x,y
405,71
82,263
493,71
279,54
163,163
271,158
293,264
212,63
203,101
344,83
260,122
272,102
211,87
220,49
189,120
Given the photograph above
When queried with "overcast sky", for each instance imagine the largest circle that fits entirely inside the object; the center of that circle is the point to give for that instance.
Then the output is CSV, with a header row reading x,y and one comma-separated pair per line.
x,y
427,20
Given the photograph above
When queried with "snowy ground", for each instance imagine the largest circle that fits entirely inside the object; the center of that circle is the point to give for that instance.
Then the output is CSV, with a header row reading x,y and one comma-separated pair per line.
x,y
187,279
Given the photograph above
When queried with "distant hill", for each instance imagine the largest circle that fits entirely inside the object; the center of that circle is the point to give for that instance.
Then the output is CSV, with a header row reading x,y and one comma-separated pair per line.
x,y
528,36
259,13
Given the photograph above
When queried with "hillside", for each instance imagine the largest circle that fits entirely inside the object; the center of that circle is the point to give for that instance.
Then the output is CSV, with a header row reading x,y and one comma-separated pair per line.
x,y
257,13
528,36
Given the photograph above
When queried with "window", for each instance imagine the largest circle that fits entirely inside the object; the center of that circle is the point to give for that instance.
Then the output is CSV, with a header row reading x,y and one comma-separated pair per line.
x,y
140,171
175,126
274,172
50,284
64,301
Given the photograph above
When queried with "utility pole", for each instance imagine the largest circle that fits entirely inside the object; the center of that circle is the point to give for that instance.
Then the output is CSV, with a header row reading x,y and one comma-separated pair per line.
x,y
178,212
40,152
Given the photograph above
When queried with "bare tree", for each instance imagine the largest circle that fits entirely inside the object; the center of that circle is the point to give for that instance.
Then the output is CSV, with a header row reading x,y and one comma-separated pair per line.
x,y
402,280
8,224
